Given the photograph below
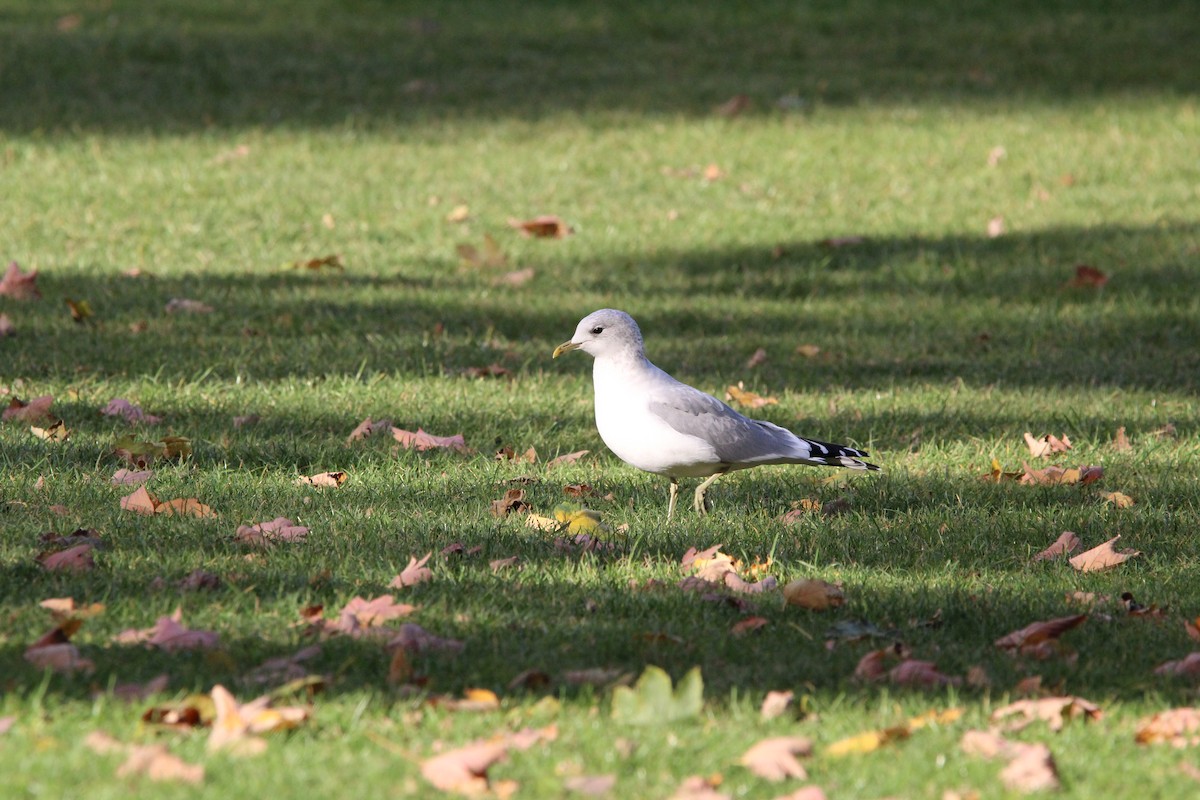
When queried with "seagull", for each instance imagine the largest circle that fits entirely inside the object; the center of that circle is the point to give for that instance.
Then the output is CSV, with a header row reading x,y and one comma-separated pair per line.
x,y
660,425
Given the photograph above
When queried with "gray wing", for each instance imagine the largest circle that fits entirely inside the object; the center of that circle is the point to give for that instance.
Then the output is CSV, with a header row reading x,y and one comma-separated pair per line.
x,y
736,439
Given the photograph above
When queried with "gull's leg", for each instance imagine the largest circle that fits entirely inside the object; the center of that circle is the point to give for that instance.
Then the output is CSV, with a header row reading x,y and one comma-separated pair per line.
x,y
674,496
699,502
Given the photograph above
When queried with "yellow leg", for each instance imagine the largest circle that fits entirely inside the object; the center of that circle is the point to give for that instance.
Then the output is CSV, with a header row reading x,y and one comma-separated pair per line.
x,y
673,497
699,502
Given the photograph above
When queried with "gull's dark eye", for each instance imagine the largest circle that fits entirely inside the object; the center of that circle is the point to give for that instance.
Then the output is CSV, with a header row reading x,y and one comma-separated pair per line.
x,y
596,331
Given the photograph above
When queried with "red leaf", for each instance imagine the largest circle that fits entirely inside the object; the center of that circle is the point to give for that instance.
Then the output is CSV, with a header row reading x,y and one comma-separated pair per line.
x,y
19,285
545,227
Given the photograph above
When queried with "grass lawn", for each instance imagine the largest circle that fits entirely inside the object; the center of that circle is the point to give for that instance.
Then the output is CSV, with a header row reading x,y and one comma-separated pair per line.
x,y
910,192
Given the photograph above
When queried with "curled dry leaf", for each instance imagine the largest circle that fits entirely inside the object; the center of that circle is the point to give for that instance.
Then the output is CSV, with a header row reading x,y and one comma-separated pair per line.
x,y
568,458
775,759
1057,476
464,769
64,608
814,594
73,559
1066,543
546,226
280,529
199,579
513,502
1055,711
54,651
1029,640
1188,666
1118,499
169,634
776,703
1179,727
914,672
368,428
421,441
120,407
128,477
237,726
747,398
1046,445
1102,556
322,480
416,572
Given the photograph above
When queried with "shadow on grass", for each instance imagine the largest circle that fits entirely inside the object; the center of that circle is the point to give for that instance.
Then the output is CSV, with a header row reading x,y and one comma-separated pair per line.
x,y
166,66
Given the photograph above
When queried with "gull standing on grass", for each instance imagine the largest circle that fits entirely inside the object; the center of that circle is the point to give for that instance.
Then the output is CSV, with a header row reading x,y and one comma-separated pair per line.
x,y
659,425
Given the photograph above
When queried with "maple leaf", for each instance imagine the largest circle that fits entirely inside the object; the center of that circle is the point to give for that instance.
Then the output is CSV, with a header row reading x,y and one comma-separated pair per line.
x,y
813,594
775,759
1047,445
1102,556
182,305
1055,475
426,441
280,529
1064,545
1056,711
490,256
35,410
416,572
776,703
154,761
186,507
358,615
1188,665
140,502
237,725
1087,276
747,398
1176,726
546,226
567,458
1028,640
73,559
1030,767
120,407
464,769
368,428
322,480
19,285
652,701
169,634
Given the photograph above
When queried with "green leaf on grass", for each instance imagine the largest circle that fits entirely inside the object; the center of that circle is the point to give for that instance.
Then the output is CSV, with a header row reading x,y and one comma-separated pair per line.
x,y
651,700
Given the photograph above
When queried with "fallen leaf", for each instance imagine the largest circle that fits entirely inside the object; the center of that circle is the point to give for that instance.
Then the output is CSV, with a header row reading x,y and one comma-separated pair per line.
x,y
513,502
1118,499
592,785
544,227
359,614
925,674
808,350
814,594
323,480
81,310
1046,445
127,477
35,410
652,701
237,725
747,398
733,106
697,787
140,502
1189,665
1120,442
499,564
998,474
19,285
182,305
425,441
1055,711
1175,726
185,507
1087,276
464,769
53,650
758,358
747,625
73,559
568,458
460,213
713,172
996,155
154,761
284,668
775,759
995,227
415,639
169,634
807,793
331,261
490,256
776,703
517,277
120,407
64,608
136,692
280,529
1037,633
1066,543
1056,476
1030,767
492,370
1193,628
368,428
416,572
1102,556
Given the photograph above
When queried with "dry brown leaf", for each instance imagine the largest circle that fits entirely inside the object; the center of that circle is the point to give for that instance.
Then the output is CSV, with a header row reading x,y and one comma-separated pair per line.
x,y
546,226
185,507
35,410
368,428
332,261
64,608
568,458
776,703
995,227
1193,628
1088,276
136,692
998,474
120,407
1030,767
280,529
747,625
464,769
128,477
492,370
1102,556
460,213
169,634
323,480
697,787
1055,711
416,572
422,441
814,594
1180,727
713,172
154,761
19,285
914,672
140,502
1118,499
513,502
1189,665
1023,641
237,726
757,359
747,398
500,564
1047,445
592,785
415,639
1121,441
808,350
73,559
1066,543
775,759
359,614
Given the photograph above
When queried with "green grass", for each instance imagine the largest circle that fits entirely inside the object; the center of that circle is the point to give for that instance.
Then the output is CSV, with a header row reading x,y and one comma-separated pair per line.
x,y
939,345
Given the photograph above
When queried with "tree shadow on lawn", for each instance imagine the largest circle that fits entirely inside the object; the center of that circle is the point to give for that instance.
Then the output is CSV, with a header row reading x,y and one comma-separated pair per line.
x,y
888,312
167,67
